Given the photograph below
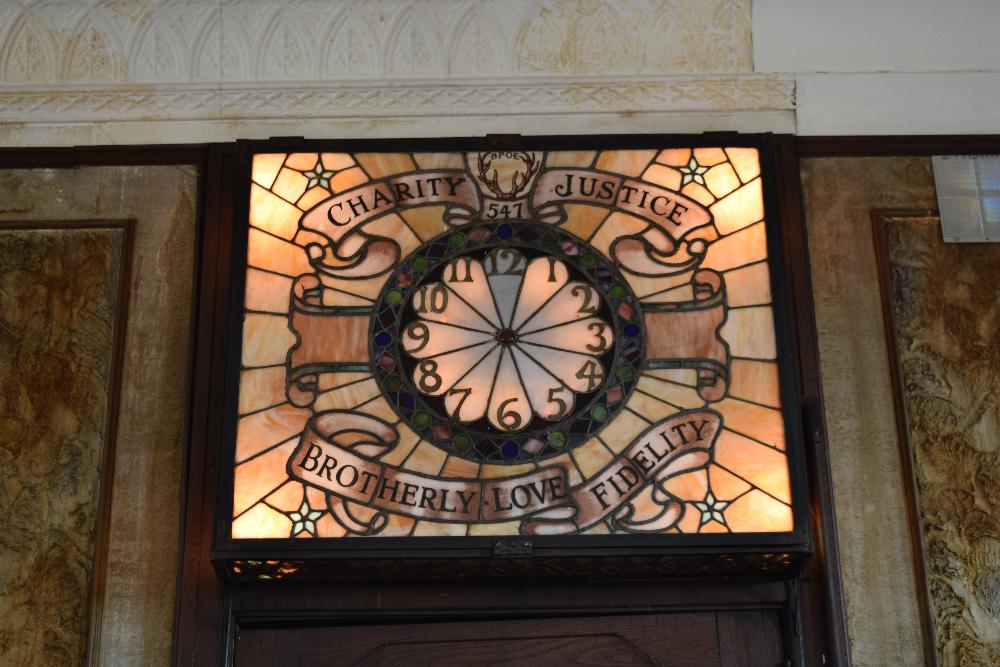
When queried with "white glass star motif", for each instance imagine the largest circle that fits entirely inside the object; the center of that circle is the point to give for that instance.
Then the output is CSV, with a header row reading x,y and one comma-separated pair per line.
x,y
693,172
711,508
318,176
304,519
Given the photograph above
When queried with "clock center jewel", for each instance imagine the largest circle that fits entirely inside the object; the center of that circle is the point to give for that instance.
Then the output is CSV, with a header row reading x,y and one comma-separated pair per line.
x,y
506,342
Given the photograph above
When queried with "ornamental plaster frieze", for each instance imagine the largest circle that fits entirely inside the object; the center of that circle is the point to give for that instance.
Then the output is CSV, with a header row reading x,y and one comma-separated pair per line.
x,y
147,62
395,99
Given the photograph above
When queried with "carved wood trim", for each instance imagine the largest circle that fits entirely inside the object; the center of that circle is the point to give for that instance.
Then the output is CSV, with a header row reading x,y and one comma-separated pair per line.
x,y
896,145
821,590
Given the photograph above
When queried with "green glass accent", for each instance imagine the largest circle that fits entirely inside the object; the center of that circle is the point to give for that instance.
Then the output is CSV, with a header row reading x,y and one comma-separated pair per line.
x,y
457,240
557,439
421,419
350,310
550,238
392,383
589,261
393,297
462,442
419,264
347,368
617,291
599,412
625,373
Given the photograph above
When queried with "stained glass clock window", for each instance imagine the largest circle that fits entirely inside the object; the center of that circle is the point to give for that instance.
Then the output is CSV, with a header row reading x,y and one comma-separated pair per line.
x,y
508,342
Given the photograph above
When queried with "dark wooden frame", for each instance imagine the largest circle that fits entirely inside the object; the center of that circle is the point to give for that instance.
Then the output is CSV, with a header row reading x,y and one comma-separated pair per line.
x,y
226,549
880,218
821,590
890,145
203,601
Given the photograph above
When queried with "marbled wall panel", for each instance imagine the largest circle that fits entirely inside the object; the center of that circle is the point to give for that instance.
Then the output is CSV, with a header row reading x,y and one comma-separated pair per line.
x,y
137,623
946,307
880,590
59,293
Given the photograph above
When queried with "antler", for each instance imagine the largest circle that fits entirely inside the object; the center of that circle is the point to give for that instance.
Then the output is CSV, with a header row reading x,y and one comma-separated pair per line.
x,y
517,181
491,183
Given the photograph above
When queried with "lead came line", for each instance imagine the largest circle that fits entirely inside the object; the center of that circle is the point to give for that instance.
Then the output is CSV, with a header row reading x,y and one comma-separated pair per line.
x,y
465,375
544,304
474,309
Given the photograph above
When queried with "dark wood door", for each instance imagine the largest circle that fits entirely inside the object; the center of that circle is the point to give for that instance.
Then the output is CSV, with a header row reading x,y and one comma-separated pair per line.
x,y
730,638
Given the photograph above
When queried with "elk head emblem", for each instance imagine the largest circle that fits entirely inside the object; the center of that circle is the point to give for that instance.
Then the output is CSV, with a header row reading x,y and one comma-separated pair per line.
x,y
519,179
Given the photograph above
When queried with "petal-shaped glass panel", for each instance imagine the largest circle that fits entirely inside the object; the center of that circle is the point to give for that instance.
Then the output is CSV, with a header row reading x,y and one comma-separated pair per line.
x,y
472,287
574,301
550,398
436,376
505,269
543,278
509,408
505,290
468,398
580,372
423,339
590,336
443,305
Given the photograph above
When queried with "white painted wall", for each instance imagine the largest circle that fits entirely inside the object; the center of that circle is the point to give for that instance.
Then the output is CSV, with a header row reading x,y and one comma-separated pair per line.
x,y
898,103
876,35
885,66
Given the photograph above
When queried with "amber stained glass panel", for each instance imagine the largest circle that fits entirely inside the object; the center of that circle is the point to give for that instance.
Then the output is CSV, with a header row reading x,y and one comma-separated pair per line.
x,y
504,343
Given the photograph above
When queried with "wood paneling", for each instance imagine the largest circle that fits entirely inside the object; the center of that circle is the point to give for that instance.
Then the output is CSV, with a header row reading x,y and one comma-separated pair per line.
x,y
731,638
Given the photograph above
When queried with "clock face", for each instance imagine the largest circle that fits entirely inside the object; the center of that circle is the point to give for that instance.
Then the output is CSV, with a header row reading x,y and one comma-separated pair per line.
x,y
508,343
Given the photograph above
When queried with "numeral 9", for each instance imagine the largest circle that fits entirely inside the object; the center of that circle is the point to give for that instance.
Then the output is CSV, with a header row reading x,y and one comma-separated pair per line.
x,y
418,332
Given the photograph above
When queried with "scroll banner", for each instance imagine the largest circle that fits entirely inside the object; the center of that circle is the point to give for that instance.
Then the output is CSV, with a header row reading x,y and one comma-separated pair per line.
x,y
675,242
668,210
673,215
702,349
331,339
328,339
337,455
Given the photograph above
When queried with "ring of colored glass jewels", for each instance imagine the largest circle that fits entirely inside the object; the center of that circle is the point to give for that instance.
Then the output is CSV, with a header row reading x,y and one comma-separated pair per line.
x,y
411,366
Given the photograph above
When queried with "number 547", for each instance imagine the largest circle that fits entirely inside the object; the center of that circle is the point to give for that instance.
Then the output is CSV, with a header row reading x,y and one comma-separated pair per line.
x,y
495,210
